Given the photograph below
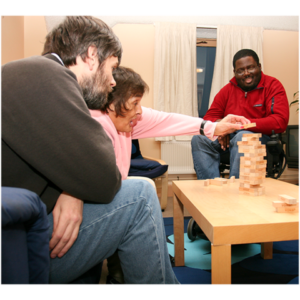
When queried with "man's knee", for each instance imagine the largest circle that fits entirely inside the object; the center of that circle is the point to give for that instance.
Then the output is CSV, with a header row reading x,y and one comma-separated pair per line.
x,y
239,135
196,141
139,188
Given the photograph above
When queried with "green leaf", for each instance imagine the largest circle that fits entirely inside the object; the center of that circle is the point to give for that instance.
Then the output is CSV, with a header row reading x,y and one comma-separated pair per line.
x,y
296,101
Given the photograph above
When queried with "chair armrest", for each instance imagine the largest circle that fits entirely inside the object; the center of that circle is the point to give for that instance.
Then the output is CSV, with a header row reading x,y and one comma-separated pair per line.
x,y
162,162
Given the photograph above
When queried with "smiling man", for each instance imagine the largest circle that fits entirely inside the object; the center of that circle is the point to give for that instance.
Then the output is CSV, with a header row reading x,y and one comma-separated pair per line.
x,y
252,94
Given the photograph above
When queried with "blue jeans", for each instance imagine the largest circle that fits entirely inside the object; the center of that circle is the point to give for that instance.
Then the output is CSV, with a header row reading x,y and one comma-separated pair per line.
x,y
206,155
132,224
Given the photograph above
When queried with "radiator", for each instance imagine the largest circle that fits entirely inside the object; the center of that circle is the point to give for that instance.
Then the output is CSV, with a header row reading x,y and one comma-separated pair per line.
x,y
178,155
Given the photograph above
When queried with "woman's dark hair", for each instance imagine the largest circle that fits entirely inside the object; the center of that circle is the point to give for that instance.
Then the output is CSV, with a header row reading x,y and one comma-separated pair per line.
x,y
244,53
128,84
76,34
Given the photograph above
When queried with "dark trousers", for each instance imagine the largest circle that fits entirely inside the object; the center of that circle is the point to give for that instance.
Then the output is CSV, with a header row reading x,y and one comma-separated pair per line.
x,y
25,242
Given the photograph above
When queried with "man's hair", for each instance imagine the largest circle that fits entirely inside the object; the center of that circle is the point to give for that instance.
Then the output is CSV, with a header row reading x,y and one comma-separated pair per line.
x,y
128,84
75,35
244,53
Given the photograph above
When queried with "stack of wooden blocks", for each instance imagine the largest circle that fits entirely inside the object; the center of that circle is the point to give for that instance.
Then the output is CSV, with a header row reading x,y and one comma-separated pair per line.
x,y
252,165
286,203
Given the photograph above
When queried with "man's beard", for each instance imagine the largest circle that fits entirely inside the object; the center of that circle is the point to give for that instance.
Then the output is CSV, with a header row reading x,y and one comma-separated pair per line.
x,y
95,90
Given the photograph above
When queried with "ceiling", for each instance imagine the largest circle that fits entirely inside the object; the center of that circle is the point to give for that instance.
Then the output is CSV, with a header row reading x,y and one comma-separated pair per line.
x,y
289,23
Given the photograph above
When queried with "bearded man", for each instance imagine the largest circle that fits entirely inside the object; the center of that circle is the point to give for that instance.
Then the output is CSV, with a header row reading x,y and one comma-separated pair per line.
x,y
250,93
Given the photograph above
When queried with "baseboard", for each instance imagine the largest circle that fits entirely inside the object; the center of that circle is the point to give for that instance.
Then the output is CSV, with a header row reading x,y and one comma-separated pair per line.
x,y
290,175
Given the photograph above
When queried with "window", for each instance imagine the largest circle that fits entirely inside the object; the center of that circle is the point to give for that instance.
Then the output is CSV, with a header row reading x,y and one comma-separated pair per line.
x,y
206,53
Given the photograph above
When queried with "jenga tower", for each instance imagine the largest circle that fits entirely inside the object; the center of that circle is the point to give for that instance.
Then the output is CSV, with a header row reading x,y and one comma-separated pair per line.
x,y
252,165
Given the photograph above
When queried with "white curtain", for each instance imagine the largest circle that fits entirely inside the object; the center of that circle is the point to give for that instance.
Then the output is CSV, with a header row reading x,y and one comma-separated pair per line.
x,y
231,39
175,78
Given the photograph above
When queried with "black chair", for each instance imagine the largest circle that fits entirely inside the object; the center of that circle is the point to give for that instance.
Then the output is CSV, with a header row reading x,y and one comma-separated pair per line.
x,y
276,159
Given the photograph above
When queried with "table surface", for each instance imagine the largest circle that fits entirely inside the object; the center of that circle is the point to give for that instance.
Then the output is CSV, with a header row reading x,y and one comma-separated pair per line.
x,y
228,217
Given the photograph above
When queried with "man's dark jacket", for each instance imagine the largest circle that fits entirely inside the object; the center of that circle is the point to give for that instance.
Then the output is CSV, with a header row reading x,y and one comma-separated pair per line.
x,y
50,143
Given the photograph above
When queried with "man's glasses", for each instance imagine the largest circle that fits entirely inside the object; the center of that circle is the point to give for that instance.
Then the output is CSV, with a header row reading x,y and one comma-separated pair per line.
x,y
241,72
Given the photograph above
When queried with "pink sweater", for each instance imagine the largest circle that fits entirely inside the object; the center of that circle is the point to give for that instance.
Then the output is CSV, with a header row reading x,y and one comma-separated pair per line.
x,y
151,124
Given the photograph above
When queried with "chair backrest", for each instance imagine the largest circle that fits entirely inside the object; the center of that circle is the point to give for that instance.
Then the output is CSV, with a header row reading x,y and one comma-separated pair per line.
x,y
135,150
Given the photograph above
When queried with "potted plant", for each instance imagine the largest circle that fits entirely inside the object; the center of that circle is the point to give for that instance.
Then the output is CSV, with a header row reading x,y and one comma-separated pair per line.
x,y
296,99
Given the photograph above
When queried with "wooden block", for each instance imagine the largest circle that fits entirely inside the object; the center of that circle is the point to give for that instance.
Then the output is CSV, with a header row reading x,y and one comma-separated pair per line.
x,y
256,172
255,142
259,189
281,206
251,135
249,125
253,158
252,166
259,146
251,176
250,139
279,203
232,179
287,209
253,150
287,199
249,185
253,163
252,182
215,182
260,154
224,180
206,182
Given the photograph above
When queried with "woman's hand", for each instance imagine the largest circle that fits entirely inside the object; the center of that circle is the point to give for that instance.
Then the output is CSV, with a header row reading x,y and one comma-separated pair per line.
x,y
230,124
67,217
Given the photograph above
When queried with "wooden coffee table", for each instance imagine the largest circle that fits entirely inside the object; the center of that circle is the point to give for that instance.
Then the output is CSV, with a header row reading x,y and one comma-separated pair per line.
x,y
228,217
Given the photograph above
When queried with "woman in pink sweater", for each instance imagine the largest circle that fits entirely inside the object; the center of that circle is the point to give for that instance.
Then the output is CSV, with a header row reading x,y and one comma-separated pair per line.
x,y
123,118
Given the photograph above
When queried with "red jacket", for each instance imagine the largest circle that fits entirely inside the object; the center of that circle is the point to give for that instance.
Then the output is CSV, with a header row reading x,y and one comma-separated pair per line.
x,y
267,105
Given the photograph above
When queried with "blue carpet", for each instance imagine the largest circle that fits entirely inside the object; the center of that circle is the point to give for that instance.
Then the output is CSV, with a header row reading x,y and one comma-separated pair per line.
x,y
198,253
288,246
294,281
247,265
279,264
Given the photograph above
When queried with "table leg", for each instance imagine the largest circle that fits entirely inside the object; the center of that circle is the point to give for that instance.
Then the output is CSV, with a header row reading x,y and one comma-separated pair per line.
x,y
221,264
178,220
267,250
